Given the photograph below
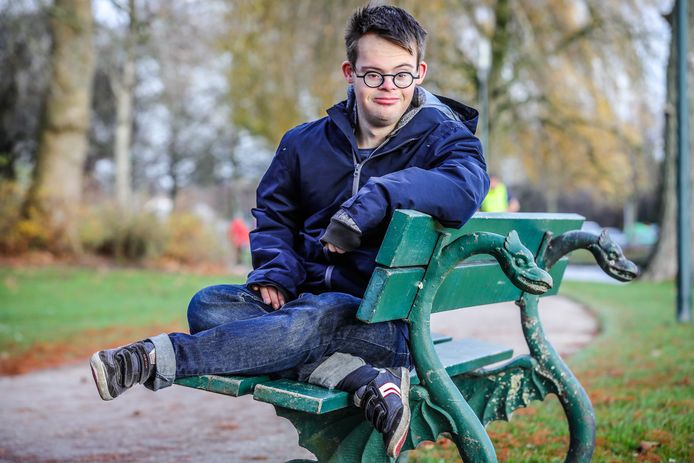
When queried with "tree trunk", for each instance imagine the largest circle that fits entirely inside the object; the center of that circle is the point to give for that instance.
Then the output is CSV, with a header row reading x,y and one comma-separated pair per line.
x,y
663,262
123,90
56,188
690,96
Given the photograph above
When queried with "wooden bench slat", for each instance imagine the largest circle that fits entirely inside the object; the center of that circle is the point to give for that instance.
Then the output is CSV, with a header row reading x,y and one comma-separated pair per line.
x,y
458,357
223,384
485,283
464,355
241,385
438,338
412,235
301,396
390,294
409,240
468,285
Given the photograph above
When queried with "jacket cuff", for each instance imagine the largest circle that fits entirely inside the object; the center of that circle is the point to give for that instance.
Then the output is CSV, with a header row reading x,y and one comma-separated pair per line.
x,y
342,232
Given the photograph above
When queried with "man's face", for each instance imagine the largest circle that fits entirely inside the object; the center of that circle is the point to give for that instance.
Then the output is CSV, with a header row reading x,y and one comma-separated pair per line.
x,y
382,106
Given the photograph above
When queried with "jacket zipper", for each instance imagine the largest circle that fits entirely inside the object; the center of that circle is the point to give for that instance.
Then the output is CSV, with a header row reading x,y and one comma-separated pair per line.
x,y
358,165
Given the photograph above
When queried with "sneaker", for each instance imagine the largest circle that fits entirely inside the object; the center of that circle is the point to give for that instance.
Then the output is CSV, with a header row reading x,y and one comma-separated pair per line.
x,y
386,406
117,370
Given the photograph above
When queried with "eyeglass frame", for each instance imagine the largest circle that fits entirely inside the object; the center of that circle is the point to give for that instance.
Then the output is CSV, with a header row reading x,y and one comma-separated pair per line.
x,y
383,78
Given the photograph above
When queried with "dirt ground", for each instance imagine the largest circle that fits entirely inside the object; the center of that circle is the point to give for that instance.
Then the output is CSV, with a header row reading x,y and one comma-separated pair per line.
x,y
56,415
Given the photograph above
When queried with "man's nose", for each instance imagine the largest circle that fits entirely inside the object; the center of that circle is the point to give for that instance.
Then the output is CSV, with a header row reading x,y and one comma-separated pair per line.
x,y
388,83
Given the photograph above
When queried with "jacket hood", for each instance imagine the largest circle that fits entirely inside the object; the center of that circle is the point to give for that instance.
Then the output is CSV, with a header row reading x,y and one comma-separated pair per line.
x,y
344,113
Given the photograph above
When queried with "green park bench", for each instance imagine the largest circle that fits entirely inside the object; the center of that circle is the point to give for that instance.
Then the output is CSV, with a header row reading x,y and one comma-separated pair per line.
x,y
459,385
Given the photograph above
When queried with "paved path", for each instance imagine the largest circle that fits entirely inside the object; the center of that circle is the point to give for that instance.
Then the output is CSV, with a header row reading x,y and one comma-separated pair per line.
x,y
56,415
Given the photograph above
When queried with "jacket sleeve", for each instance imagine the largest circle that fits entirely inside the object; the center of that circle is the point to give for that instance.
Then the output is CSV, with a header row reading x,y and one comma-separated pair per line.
x,y
275,262
450,188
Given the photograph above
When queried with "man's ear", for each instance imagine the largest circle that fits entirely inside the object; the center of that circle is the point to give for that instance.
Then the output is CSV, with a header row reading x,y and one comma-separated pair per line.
x,y
422,72
348,72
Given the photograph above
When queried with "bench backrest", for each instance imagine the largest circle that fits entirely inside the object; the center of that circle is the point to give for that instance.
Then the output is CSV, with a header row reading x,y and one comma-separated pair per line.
x,y
411,241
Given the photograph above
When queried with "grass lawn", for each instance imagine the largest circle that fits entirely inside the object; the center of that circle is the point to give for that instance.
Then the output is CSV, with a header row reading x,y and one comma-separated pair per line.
x,y
639,374
67,311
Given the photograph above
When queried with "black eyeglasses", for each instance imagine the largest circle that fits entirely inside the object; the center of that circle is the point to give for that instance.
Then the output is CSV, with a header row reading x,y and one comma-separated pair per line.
x,y
375,79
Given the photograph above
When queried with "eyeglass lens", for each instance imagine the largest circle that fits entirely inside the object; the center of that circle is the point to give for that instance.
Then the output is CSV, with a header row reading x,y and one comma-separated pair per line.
x,y
401,79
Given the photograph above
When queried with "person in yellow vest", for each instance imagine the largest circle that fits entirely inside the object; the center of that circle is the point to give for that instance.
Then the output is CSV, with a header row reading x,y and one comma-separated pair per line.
x,y
499,198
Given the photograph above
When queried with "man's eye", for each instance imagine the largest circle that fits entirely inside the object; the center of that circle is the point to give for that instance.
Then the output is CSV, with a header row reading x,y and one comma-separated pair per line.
x,y
402,75
373,76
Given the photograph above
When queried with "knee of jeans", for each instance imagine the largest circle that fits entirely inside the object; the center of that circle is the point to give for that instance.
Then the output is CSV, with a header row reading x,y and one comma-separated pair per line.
x,y
197,306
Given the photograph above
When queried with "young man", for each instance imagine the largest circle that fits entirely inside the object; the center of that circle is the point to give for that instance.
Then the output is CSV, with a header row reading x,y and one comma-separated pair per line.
x,y
322,210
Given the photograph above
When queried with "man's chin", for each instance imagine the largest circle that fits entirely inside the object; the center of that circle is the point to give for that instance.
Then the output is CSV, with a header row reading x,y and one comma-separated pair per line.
x,y
385,119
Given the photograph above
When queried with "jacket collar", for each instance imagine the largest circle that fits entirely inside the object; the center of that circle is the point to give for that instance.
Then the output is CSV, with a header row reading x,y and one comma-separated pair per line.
x,y
344,114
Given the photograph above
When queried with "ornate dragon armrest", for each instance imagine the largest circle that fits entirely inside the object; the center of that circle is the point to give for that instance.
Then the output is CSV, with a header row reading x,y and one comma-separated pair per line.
x,y
607,253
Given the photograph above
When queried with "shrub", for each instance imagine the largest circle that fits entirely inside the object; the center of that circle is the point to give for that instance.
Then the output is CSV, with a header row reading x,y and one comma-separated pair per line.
x,y
192,241
108,231
105,230
19,234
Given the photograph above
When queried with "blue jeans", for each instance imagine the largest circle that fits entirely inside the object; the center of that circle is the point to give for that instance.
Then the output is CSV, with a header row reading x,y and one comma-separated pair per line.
x,y
233,332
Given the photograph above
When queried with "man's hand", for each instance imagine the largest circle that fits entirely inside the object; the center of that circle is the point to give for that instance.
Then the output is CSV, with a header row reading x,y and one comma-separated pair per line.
x,y
332,248
271,295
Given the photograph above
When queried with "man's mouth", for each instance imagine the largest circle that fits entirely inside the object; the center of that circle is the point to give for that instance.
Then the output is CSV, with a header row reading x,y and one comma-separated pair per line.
x,y
386,101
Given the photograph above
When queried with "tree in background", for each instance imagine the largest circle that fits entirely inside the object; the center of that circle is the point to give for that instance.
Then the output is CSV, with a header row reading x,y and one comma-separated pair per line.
x,y
56,188
24,48
561,77
214,84
285,65
123,87
662,265
565,77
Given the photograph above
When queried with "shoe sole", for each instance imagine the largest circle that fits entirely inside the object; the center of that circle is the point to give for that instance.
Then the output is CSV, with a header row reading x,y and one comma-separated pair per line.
x,y
400,434
99,375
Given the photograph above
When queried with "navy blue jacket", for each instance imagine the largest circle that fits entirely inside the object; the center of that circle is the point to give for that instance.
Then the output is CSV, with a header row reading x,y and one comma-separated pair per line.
x,y
431,162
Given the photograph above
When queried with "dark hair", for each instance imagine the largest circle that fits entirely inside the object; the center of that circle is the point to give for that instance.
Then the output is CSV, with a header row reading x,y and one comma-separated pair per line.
x,y
390,22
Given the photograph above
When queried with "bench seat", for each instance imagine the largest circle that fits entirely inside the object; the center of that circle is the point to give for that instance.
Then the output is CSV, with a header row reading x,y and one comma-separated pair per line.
x,y
235,385
232,385
458,357
424,268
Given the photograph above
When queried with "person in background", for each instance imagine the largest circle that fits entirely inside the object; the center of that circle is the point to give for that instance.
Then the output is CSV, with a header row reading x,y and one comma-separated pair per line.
x,y
239,238
499,198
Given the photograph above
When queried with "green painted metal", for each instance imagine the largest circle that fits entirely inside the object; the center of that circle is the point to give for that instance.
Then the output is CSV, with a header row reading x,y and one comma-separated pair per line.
x,y
468,285
530,226
453,395
339,436
481,284
465,355
518,263
495,393
438,338
301,396
412,236
223,384
456,356
572,396
607,253
390,294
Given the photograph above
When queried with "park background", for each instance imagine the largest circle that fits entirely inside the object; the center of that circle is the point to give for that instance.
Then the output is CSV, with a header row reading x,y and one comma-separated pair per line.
x,y
132,132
